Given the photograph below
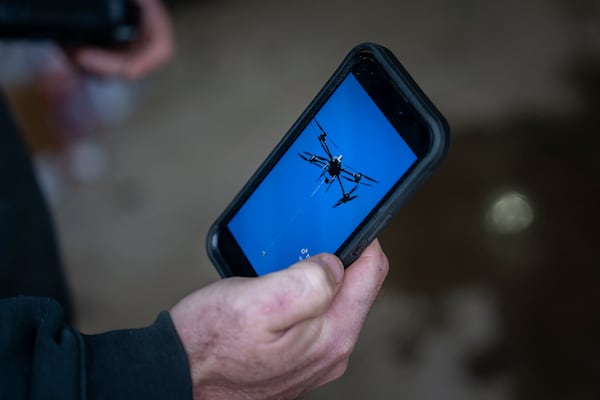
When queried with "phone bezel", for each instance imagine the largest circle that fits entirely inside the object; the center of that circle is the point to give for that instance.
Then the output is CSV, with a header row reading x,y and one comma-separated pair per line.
x,y
394,91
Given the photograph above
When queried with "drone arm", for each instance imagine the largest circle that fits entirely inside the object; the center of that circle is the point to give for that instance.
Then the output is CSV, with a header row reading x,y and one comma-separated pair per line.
x,y
341,185
323,141
313,160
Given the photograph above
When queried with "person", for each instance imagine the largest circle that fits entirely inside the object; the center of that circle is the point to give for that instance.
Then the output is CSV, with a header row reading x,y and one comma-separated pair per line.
x,y
275,336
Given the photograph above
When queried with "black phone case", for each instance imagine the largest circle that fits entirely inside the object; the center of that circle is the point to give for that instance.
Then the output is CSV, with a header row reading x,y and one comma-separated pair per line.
x,y
360,239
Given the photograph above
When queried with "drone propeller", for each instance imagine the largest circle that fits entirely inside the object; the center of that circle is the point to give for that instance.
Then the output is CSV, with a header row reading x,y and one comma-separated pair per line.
x,y
357,175
330,139
344,200
325,133
319,125
347,197
355,181
370,179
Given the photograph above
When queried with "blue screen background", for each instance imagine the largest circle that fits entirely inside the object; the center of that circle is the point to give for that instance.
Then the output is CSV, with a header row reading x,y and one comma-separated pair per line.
x,y
290,216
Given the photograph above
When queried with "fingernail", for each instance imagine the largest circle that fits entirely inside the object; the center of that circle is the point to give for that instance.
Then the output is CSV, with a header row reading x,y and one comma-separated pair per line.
x,y
332,264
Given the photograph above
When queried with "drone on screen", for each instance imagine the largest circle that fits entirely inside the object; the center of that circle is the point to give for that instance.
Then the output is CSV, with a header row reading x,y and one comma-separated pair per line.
x,y
332,169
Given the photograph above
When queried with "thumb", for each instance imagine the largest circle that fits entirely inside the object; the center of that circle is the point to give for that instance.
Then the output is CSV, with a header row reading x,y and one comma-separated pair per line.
x,y
303,291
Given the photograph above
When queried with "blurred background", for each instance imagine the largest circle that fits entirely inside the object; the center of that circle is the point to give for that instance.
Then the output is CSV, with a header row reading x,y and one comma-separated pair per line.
x,y
494,263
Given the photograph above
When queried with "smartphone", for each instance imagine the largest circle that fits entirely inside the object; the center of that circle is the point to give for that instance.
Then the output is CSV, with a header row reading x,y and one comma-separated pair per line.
x,y
102,23
363,146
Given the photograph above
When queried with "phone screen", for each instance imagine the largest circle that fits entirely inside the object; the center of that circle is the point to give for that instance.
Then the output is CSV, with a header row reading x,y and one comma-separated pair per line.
x,y
336,172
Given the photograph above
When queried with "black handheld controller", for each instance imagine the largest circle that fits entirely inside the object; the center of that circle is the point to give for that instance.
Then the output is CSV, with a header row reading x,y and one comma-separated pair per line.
x,y
104,23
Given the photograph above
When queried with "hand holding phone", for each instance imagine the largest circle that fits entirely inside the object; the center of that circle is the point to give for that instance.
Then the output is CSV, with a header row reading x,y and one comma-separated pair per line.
x,y
279,335
366,142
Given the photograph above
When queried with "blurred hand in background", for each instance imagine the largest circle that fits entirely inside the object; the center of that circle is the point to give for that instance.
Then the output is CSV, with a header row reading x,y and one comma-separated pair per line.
x,y
152,48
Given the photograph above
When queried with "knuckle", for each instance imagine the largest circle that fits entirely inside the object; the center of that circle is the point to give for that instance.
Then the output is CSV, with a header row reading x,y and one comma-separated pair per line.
x,y
346,348
336,372
340,348
340,369
318,282
383,264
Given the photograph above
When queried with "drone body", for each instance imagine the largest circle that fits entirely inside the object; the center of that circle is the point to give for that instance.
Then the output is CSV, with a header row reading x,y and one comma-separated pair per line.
x,y
333,169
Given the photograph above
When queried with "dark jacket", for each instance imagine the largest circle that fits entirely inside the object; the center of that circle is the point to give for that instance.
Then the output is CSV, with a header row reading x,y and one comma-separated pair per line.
x,y
41,357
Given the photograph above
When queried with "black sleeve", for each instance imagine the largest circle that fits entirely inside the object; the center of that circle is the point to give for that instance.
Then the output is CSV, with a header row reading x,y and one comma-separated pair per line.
x,y
41,358
30,262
